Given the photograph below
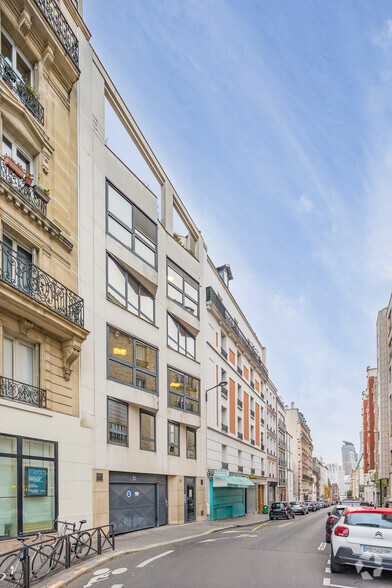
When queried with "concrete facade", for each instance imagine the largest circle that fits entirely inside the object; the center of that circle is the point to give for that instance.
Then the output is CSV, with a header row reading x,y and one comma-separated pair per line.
x,y
302,453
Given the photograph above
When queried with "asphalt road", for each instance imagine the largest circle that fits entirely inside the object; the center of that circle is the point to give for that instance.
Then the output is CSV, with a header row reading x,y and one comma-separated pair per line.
x,y
278,554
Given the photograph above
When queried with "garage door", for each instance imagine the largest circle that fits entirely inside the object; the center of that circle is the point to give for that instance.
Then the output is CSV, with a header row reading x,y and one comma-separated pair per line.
x,y
133,501
228,502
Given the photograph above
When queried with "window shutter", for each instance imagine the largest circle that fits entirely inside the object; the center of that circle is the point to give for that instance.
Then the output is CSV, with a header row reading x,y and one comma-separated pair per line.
x,y
145,225
118,413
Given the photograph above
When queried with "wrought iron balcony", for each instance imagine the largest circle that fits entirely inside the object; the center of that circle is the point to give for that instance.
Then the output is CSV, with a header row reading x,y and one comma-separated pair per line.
x,y
282,424
239,370
224,428
21,90
26,277
211,296
239,403
252,413
282,463
282,444
224,392
59,24
282,481
27,192
252,441
262,420
240,435
262,446
252,384
20,392
223,353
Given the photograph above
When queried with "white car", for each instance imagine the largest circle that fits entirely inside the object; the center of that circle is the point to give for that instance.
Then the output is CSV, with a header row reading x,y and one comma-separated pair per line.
x,y
362,535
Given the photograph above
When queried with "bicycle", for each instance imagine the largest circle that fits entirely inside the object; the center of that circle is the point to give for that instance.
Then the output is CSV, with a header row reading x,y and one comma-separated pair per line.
x,y
80,546
11,567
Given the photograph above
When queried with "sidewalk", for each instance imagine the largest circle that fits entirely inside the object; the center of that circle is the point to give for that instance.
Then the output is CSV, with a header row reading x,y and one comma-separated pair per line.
x,y
148,539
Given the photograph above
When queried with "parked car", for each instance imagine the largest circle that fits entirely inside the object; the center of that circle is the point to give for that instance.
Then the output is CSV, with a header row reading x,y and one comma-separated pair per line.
x,y
281,510
362,535
333,517
311,506
299,507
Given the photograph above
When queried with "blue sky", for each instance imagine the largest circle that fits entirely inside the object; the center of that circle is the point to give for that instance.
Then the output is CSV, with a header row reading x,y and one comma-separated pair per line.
x,y
273,121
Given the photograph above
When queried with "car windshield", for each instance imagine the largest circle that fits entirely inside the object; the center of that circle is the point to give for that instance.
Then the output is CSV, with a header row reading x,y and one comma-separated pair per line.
x,y
369,519
338,511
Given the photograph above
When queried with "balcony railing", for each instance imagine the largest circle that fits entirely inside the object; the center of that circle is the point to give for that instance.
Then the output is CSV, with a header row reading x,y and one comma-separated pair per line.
x,y
224,392
240,435
59,24
281,424
252,413
282,481
262,420
223,353
27,192
282,444
282,463
31,280
212,297
224,428
239,370
19,88
252,384
252,441
239,403
262,446
21,392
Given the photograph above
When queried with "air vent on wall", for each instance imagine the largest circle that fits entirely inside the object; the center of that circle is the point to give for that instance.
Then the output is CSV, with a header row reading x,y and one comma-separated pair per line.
x,y
99,477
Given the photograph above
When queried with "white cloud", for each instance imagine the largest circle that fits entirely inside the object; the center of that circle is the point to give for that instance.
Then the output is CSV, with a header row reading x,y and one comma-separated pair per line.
x,y
305,203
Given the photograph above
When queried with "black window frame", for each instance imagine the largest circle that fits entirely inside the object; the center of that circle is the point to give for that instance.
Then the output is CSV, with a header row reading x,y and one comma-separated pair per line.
x,y
111,399
187,334
191,430
185,278
168,439
130,230
133,365
127,273
20,457
141,438
184,395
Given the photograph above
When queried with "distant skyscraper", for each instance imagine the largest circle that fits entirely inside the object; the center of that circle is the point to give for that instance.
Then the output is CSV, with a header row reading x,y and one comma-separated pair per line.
x,y
349,457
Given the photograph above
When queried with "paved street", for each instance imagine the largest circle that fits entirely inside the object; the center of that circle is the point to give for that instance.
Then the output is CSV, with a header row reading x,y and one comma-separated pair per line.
x,y
288,554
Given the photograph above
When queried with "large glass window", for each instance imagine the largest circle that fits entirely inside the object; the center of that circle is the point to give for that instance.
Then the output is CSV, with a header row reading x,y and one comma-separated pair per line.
x,y
173,433
15,58
131,361
27,485
20,361
184,391
182,288
179,338
117,422
129,225
147,431
191,443
123,289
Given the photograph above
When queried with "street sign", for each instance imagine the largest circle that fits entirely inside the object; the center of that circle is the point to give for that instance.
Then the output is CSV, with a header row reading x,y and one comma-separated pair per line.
x,y
221,473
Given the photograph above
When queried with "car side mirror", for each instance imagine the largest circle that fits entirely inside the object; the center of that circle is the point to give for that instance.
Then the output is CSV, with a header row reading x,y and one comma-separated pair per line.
x,y
329,513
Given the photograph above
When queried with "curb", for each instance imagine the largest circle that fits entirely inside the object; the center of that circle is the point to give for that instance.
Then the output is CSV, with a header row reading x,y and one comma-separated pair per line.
x,y
107,558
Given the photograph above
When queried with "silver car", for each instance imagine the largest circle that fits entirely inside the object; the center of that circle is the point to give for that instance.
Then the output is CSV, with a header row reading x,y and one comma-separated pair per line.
x,y
299,507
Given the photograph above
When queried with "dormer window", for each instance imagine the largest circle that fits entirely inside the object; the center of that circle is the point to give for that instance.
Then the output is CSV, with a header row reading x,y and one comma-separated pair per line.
x,y
225,274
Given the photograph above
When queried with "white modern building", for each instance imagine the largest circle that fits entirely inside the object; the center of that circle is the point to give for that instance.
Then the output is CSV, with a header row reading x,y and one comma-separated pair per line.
x,y
238,416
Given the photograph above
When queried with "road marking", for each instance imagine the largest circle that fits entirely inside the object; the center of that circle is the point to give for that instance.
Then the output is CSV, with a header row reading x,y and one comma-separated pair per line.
x,y
266,523
119,571
322,546
208,532
244,535
285,524
147,561
327,570
117,585
238,531
327,582
207,541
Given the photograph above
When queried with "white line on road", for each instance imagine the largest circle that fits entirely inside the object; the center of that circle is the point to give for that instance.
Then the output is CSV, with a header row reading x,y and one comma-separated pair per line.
x,y
117,585
322,546
327,570
327,582
147,561
225,532
207,541
244,535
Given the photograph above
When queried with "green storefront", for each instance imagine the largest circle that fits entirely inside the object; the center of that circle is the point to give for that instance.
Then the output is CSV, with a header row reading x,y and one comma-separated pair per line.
x,y
228,495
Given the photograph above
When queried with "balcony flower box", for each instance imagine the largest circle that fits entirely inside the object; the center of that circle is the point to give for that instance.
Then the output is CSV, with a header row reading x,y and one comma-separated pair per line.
x,y
28,179
13,166
44,195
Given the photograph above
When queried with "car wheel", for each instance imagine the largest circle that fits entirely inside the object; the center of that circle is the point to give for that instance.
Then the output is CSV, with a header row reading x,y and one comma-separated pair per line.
x,y
327,538
336,568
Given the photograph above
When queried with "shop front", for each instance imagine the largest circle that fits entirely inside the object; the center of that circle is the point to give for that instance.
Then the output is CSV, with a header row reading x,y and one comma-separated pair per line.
x,y
28,485
228,495
272,491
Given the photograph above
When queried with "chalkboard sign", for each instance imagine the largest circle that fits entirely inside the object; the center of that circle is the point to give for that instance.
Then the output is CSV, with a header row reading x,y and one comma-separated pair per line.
x,y
36,481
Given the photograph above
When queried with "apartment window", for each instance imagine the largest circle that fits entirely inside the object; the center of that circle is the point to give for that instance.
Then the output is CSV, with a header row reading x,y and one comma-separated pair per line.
x,y
13,55
117,422
184,391
182,288
179,338
123,289
147,431
191,443
20,361
173,435
129,225
10,148
132,362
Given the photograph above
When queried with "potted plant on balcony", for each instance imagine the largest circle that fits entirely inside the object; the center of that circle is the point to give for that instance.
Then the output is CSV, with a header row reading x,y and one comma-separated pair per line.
x,y
14,167
28,178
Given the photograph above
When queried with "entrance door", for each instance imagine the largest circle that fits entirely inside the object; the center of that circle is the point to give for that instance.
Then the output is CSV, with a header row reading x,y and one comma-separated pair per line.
x,y
190,500
260,502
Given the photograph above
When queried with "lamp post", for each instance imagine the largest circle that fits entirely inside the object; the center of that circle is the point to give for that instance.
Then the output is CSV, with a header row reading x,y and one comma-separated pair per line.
x,y
213,387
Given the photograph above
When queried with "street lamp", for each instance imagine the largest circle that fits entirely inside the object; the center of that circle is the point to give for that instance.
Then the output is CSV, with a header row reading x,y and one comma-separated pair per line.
x,y
213,387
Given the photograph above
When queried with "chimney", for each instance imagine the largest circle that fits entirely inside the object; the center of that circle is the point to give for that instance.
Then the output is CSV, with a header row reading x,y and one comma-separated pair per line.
x,y
292,405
